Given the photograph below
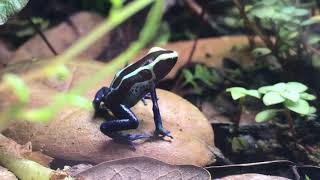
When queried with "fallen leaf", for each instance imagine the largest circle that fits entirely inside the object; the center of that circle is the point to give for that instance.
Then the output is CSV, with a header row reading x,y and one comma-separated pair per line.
x,y
61,37
142,168
253,177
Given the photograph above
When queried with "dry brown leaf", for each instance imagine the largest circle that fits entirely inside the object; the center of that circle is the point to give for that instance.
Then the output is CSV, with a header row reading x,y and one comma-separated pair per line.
x,y
253,177
61,37
75,135
209,51
142,168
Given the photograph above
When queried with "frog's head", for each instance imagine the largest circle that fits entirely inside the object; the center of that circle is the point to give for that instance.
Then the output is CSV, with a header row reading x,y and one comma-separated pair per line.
x,y
162,61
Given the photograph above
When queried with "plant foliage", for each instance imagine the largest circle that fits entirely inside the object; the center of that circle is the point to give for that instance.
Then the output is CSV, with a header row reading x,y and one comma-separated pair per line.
x,y
291,96
9,8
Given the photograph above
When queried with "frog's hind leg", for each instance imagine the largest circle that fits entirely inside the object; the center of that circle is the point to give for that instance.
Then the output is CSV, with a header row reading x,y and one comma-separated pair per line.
x,y
127,121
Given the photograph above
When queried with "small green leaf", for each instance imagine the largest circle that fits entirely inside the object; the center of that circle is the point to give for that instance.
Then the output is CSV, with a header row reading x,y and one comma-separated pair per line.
x,y
312,20
38,115
312,110
116,3
9,8
266,115
308,96
301,106
313,39
288,10
59,71
18,86
258,52
238,144
296,86
202,73
187,75
272,98
237,92
301,12
290,95
253,93
276,88
79,101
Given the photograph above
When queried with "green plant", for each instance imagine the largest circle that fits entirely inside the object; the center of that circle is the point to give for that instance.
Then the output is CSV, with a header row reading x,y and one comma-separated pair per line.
x,y
201,74
240,93
9,8
287,21
292,97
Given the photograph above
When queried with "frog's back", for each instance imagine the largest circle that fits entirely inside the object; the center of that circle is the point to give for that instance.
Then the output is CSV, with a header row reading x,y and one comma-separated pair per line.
x,y
133,67
133,88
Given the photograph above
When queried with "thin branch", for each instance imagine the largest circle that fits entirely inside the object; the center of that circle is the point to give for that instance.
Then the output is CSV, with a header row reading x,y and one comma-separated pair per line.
x,y
38,30
267,41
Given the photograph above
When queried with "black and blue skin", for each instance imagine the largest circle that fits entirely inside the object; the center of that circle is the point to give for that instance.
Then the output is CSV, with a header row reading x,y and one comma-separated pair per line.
x,y
130,85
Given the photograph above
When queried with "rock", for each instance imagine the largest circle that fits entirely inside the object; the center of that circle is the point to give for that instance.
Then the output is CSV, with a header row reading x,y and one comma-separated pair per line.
x,y
63,36
75,135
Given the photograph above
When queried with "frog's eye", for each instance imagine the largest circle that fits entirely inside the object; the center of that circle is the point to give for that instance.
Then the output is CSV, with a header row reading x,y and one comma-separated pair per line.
x,y
155,49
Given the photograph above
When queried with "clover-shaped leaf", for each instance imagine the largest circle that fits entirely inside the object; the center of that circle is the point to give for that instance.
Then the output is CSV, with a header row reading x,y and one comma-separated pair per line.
x,y
308,96
276,88
258,52
291,95
296,86
300,107
239,92
272,98
312,20
266,115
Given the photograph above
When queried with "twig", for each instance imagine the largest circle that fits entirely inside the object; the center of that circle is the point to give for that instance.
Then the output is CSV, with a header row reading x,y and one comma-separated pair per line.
x,y
290,122
38,30
253,26
196,8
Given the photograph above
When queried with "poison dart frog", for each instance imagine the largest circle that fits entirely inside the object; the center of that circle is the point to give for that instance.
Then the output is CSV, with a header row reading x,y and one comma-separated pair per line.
x,y
130,85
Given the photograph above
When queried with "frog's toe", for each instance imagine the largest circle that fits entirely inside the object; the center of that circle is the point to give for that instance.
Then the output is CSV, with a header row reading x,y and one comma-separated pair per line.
x,y
133,137
128,138
163,133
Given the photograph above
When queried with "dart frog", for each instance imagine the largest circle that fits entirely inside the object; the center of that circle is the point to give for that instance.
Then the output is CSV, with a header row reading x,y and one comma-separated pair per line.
x,y
130,85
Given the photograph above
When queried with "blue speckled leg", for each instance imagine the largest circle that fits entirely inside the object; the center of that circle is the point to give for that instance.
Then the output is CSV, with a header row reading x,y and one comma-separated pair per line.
x,y
127,120
157,117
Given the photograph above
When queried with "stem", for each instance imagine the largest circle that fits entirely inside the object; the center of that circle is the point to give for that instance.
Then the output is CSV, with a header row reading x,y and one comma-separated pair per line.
x,y
38,30
239,112
253,26
290,121
110,23
11,157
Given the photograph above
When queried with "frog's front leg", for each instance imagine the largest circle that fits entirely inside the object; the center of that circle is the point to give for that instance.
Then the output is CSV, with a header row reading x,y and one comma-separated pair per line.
x,y
157,117
98,99
127,120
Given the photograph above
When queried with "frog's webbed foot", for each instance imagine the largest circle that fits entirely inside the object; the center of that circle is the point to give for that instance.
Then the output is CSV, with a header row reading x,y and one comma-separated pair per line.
x,y
126,138
163,133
